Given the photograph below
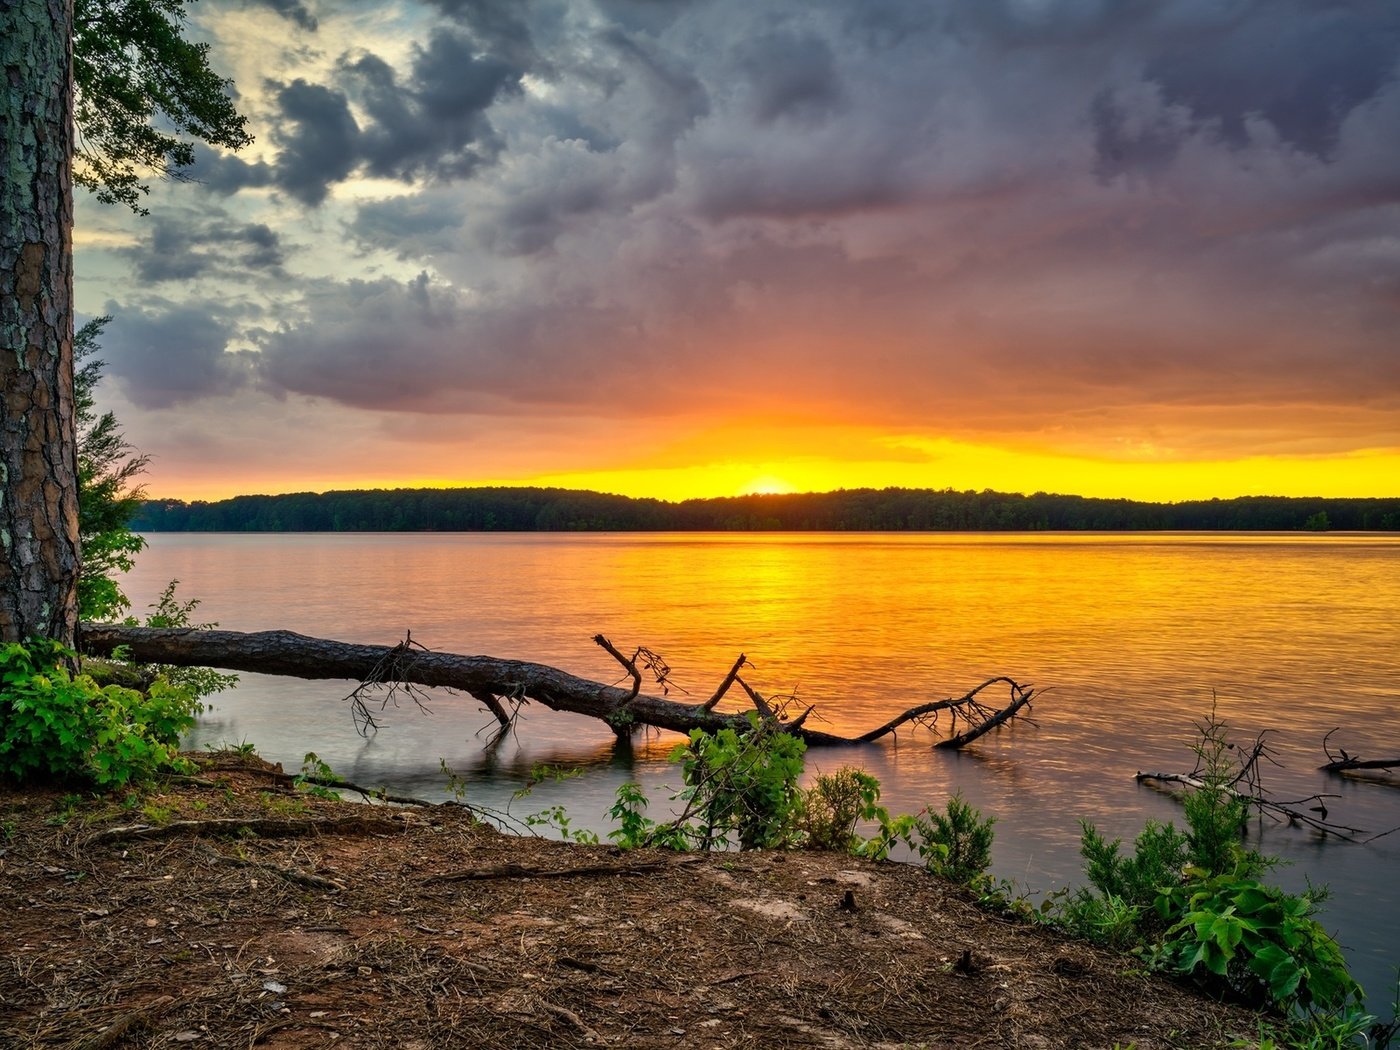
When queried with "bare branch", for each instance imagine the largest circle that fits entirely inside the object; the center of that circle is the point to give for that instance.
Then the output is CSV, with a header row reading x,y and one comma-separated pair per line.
x,y
630,665
709,705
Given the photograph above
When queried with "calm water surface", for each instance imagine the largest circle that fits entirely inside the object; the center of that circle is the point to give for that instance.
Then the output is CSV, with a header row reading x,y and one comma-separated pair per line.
x,y
1133,637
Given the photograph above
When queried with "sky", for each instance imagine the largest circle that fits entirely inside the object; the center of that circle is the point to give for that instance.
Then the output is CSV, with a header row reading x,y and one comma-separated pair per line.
x,y
701,247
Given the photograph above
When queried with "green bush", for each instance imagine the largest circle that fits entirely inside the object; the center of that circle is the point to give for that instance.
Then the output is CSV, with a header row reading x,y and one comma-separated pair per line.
x,y
1117,906
956,843
1216,814
1254,941
59,726
832,806
743,784
1190,902
1158,858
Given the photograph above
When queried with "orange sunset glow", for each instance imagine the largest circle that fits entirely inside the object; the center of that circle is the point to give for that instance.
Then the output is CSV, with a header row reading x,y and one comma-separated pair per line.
x,y
917,463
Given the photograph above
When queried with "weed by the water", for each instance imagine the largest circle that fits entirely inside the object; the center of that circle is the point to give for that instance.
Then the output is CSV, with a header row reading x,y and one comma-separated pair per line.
x,y
316,777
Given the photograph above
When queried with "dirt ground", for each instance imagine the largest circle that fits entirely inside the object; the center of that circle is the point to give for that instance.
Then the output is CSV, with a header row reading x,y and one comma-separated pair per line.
x,y
284,920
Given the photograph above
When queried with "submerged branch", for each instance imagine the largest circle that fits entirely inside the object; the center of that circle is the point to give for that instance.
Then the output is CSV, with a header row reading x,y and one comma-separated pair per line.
x,y
1341,762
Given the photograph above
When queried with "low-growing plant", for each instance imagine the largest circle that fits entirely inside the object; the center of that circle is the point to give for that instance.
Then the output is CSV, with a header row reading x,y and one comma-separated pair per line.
x,y
456,783
62,726
1346,1029
955,843
316,777
242,749
283,805
557,818
740,785
1256,942
834,804
155,813
634,828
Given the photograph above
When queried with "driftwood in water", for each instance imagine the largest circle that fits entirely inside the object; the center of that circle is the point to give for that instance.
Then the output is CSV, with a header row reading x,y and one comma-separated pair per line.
x,y
1341,762
1314,816
503,685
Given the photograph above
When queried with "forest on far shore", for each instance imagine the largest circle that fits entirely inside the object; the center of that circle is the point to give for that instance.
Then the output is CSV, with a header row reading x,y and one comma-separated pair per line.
x,y
883,510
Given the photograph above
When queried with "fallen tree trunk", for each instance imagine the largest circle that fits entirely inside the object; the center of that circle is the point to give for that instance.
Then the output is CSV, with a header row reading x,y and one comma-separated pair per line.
x,y
502,685
1341,765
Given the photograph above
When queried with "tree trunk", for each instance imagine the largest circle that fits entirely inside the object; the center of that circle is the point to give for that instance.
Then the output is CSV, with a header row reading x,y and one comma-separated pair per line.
x,y
499,684
38,449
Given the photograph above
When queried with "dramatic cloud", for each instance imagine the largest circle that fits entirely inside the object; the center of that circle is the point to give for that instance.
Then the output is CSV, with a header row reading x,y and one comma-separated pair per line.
x,y
185,245
1111,228
173,356
293,10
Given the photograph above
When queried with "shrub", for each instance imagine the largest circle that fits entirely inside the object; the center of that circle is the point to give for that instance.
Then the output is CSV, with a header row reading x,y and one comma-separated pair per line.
x,y
1254,941
832,806
742,783
1190,902
1215,813
59,726
956,843
1158,857
1117,906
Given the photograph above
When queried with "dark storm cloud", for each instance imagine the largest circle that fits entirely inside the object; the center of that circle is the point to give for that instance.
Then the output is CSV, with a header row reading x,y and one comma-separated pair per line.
x,y
319,140
791,76
170,355
1048,23
997,209
431,123
416,226
226,174
500,27
1127,143
293,11
419,347
1302,66
185,246
677,96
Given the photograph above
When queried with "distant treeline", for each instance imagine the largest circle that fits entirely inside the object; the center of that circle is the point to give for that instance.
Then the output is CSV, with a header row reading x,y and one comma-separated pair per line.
x,y
886,510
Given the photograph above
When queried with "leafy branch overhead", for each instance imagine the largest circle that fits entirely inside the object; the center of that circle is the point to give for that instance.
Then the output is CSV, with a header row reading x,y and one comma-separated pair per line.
x,y
136,78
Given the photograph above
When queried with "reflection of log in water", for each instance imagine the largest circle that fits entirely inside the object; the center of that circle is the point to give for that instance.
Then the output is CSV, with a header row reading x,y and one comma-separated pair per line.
x,y
503,685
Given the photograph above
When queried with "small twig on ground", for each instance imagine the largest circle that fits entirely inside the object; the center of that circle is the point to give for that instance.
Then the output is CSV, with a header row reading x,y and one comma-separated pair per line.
x,y
517,871
264,827
301,878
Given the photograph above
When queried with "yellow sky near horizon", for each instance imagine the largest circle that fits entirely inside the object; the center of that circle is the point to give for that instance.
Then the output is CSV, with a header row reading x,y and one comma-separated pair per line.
x,y
913,463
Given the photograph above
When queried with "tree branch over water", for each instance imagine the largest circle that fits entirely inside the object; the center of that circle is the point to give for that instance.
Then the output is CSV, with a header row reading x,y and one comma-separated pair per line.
x,y
408,665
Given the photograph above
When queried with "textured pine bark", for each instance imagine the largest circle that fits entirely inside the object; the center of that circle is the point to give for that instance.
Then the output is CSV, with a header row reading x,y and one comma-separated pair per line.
x,y
38,452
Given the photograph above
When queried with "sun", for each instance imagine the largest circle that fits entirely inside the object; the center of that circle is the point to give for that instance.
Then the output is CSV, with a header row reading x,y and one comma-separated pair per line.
x,y
766,485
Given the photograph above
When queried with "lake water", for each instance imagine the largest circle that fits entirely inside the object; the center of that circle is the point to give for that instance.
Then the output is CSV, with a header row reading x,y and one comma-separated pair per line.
x,y
1132,637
